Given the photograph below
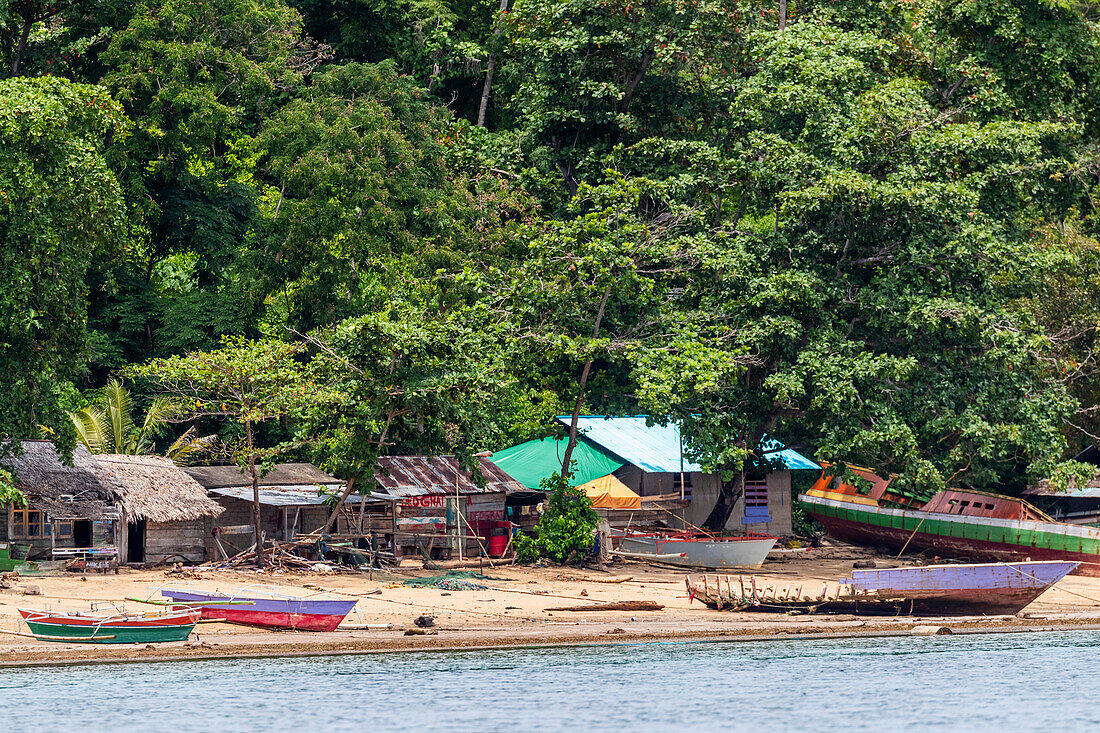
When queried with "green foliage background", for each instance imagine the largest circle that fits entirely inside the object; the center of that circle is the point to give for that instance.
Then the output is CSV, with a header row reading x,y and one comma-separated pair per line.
x,y
868,229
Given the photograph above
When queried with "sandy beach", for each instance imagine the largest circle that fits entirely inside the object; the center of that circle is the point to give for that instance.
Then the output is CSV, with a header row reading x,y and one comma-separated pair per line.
x,y
516,609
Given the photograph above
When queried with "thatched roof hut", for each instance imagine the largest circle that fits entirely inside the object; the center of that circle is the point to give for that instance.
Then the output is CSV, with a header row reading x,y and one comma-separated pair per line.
x,y
80,491
155,489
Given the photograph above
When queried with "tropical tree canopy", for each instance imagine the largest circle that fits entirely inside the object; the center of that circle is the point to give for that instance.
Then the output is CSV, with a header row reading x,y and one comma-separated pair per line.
x,y
337,230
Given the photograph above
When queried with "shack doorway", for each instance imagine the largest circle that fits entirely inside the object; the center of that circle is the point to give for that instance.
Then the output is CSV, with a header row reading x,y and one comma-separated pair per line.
x,y
82,533
135,541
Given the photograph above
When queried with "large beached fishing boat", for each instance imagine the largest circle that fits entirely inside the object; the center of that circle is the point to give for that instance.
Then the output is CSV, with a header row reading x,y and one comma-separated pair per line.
x,y
931,590
698,551
953,523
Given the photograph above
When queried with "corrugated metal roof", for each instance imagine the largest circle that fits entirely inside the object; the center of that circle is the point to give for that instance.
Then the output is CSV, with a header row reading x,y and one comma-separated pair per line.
x,y
657,448
437,475
275,495
283,474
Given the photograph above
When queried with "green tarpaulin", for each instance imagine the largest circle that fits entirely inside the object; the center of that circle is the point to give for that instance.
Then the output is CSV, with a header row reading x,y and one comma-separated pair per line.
x,y
531,462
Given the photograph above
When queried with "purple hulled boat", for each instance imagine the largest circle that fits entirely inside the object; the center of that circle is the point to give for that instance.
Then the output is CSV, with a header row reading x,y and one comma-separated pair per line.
x,y
269,609
932,590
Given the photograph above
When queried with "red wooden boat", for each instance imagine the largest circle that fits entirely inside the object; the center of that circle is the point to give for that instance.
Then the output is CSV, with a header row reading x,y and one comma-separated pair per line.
x,y
269,609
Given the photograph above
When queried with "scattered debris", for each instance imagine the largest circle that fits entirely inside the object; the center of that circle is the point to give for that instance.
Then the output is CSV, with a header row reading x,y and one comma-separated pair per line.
x,y
929,631
862,564
32,590
176,571
617,630
420,632
425,621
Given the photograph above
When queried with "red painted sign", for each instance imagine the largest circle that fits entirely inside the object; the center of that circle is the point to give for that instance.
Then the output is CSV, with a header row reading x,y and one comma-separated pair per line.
x,y
428,501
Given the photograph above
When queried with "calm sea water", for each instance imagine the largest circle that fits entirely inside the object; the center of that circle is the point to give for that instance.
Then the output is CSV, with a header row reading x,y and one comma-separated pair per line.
x,y
1007,682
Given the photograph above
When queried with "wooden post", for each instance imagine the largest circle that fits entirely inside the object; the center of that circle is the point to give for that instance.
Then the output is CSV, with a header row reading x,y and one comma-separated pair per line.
x,y
603,530
258,532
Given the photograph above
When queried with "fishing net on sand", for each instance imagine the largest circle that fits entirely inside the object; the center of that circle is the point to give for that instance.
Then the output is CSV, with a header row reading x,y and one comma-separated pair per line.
x,y
452,580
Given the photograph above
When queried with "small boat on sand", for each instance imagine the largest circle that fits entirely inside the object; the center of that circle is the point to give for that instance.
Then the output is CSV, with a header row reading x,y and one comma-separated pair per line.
x,y
932,590
697,550
269,609
115,628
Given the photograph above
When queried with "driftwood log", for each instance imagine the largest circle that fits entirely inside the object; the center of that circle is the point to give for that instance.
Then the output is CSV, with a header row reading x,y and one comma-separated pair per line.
x,y
616,606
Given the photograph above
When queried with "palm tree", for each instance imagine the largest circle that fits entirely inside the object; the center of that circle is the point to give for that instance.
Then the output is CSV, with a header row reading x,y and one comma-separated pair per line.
x,y
109,427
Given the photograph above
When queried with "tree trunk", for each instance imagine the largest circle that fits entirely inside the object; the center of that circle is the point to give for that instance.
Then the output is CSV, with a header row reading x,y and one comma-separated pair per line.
x,y
257,530
782,15
336,509
484,108
728,495
565,470
21,47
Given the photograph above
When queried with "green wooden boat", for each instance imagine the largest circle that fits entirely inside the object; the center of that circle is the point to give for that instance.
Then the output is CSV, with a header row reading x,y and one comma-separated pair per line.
x,y
118,628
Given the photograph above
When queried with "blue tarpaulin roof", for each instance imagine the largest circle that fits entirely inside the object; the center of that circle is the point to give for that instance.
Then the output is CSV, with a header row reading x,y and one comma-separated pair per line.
x,y
657,448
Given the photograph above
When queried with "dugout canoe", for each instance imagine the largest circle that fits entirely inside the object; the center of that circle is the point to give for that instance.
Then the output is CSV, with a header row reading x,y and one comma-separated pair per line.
x,y
969,525
699,551
268,609
933,590
116,628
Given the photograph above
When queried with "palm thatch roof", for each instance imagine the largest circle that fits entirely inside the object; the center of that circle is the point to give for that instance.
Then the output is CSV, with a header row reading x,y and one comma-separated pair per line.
x,y
80,491
155,489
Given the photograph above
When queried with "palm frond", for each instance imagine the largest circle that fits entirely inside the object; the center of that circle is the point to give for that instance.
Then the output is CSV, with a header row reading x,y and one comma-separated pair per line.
x,y
187,446
91,428
121,412
156,417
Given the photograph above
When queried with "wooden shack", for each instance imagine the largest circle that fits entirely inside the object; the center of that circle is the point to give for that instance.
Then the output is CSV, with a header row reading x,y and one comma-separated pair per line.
x,y
163,510
293,501
70,511
443,509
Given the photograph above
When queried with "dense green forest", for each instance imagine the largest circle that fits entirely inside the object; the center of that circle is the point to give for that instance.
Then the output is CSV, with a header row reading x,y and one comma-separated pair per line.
x,y
343,227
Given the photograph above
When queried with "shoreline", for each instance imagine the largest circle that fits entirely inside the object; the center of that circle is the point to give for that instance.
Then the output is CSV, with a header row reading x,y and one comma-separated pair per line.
x,y
507,608
193,652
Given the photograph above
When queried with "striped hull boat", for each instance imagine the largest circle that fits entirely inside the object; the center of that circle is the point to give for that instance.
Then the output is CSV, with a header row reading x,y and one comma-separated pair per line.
x,y
275,612
117,629
960,536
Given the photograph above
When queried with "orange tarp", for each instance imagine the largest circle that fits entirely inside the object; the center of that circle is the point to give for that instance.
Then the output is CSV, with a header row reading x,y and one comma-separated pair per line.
x,y
608,492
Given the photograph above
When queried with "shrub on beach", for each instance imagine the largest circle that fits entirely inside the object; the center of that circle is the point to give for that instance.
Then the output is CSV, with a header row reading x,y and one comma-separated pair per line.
x,y
566,530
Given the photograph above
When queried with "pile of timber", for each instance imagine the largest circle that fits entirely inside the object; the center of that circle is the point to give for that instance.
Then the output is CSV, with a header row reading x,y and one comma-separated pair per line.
x,y
286,556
